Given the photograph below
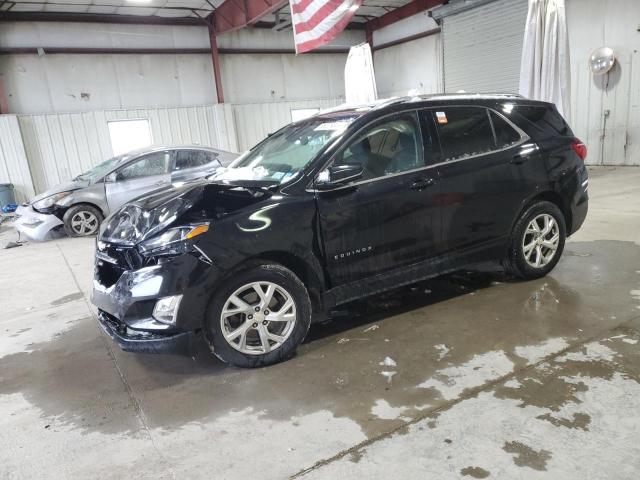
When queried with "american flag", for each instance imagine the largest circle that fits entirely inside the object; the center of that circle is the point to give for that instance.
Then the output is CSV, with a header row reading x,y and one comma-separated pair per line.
x,y
316,22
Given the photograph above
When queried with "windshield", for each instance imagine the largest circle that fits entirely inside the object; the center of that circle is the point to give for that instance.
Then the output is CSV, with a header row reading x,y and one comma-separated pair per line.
x,y
101,169
284,154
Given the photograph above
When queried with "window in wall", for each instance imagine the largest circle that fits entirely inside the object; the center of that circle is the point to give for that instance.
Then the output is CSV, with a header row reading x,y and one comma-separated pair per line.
x,y
505,133
392,146
127,135
463,131
153,164
302,113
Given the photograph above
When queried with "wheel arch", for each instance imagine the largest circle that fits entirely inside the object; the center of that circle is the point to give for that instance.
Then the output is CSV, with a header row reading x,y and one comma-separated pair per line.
x,y
549,196
299,266
84,202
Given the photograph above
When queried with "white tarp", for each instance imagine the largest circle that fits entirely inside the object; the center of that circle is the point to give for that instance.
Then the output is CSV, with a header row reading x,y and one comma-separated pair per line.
x,y
359,78
545,68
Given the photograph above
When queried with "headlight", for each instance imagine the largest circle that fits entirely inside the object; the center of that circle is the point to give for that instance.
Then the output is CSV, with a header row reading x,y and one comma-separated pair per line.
x,y
173,241
131,223
50,201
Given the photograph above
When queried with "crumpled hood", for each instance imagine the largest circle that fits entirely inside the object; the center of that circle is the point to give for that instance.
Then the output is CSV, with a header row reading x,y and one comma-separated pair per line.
x,y
154,199
199,200
61,187
201,188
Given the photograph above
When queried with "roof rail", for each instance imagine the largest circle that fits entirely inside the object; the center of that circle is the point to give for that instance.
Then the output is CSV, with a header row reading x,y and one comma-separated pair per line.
x,y
385,102
380,103
443,96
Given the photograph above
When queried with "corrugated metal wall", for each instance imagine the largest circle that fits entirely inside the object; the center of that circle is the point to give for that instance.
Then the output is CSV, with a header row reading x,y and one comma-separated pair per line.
x,y
605,111
60,146
13,158
409,67
607,119
53,148
482,47
254,121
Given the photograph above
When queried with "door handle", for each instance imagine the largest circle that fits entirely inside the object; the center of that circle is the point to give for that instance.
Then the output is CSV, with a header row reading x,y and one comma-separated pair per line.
x,y
423,183
517,160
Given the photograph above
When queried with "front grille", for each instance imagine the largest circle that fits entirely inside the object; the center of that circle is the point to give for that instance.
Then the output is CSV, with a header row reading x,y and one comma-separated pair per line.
x,y
107,274
113,260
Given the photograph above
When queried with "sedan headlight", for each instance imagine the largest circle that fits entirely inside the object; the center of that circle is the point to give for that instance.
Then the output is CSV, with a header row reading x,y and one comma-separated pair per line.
x,y
173,241
49,201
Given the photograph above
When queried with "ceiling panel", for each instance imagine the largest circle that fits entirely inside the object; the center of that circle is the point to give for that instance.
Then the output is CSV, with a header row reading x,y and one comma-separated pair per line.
x,y
165,8
171,8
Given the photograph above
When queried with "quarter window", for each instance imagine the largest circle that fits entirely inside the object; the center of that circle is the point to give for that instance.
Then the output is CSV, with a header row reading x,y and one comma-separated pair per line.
x,y
152,164
547,119
463,132
505,134
391,146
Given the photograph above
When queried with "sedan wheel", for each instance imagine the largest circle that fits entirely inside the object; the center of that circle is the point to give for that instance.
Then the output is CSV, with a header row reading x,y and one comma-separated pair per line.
x,y
82,220
84,223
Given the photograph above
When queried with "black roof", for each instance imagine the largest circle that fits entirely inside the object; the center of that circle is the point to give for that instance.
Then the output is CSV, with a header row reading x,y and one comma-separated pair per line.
x,y
422,100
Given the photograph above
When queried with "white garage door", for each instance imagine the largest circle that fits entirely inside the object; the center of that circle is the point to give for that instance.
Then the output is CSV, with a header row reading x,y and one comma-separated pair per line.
x,y
482,47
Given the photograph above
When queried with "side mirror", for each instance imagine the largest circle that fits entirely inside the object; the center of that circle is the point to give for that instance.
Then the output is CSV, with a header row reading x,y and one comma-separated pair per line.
x,y
111,178
338,176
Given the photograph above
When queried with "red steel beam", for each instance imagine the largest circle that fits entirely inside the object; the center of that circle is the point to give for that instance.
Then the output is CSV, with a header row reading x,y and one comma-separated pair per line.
x,y
369,35
235,14
406,11
215,57
4,101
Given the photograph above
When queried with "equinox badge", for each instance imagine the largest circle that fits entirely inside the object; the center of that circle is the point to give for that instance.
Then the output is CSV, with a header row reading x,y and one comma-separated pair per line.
x,y
357,251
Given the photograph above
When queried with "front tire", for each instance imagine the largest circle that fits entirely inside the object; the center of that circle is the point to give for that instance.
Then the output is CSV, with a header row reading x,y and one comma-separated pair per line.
x,y
259,316
82,221
537,241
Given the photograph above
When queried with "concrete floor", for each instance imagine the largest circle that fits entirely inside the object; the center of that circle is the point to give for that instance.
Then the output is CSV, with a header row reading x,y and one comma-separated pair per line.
x,y
465,376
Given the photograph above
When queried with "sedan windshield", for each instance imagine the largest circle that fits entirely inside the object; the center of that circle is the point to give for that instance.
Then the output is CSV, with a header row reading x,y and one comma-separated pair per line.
x,y
102,169
283,155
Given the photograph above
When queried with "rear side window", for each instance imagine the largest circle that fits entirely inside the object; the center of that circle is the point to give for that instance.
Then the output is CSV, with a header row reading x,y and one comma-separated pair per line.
x,y
505,133
546,119
463,132
153,164
191,159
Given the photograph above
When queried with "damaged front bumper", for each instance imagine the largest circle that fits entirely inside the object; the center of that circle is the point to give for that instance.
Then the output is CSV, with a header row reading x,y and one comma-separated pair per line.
x,y
140,341
35,225
126,297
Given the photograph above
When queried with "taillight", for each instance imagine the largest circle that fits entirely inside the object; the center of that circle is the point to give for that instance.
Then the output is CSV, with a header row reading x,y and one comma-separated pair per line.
x,y
580,148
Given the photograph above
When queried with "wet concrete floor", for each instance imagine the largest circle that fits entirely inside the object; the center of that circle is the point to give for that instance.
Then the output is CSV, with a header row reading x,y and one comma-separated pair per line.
x,y
467,376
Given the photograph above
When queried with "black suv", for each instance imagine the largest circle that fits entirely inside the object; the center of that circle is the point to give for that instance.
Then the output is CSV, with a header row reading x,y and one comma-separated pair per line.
x,y
336,207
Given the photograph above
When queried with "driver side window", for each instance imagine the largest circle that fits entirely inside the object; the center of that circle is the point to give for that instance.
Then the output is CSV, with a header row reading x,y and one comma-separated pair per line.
x,y
153,164
393,145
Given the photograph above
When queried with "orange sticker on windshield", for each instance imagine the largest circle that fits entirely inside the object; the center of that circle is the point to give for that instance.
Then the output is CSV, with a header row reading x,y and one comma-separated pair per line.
x,y
441,117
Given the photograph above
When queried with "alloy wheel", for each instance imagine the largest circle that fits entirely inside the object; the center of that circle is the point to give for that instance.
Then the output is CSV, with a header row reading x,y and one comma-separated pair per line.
x,y
258,318
540,240
84,223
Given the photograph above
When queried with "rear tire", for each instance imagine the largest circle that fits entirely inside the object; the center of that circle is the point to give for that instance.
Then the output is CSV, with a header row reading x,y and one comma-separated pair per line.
x,y
259,316
82,221
537,241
